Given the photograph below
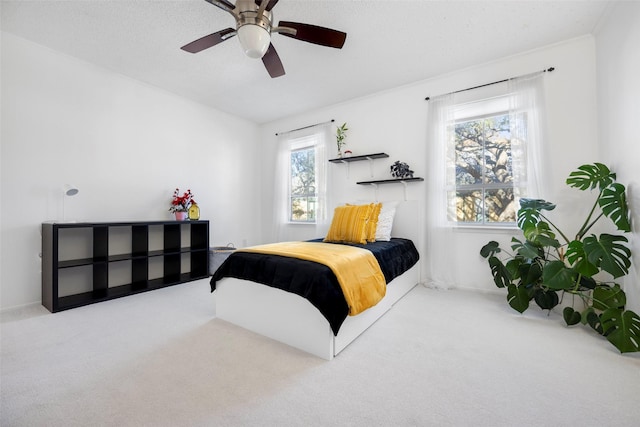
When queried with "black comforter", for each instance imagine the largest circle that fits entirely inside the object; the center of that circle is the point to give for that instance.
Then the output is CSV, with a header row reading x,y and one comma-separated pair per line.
x,y
313,281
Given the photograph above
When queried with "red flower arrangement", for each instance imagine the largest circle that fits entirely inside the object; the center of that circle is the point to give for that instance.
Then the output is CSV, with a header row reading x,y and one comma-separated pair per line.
x,y
181,203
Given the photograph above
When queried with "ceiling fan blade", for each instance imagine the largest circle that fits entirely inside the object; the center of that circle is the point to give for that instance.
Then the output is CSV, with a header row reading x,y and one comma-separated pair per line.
x,y
222,4
272,62
209,41
315,34
269,5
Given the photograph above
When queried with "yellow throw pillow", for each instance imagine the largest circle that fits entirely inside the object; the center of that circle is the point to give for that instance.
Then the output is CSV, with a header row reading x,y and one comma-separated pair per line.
x,y
349,224
372,224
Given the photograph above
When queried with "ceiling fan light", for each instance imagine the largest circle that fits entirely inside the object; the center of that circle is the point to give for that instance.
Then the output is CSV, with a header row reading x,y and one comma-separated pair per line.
x,y
254,39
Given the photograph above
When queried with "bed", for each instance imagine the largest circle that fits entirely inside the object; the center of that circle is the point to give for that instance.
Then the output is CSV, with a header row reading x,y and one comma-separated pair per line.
x,y
308,316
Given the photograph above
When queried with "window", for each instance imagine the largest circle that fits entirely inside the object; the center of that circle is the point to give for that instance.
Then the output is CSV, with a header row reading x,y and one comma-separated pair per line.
x,y
484,183
492,151
300,185
303,194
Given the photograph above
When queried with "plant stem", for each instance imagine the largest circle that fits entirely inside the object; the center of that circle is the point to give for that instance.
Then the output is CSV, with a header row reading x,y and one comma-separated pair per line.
x,y
556,228
586,226
578,282
591,225
587,298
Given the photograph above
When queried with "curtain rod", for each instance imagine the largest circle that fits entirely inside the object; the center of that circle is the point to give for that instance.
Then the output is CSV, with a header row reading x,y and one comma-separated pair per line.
x,y
489,84
306,127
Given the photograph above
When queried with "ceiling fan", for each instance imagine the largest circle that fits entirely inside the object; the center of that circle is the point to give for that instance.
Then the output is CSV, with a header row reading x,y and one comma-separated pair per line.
x,y
254,28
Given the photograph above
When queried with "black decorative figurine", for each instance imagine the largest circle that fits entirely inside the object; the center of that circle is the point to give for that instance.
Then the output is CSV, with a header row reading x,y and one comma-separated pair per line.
x,y
401,170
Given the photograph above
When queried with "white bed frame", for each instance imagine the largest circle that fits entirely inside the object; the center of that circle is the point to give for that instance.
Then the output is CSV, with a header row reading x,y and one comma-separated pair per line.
x,y
293,320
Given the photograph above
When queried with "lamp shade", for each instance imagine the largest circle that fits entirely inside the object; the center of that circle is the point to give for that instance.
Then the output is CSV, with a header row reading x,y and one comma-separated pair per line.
x,y
70,190
254,40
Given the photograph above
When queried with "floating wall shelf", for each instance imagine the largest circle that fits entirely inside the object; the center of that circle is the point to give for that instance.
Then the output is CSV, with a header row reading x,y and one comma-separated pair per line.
x,y
359,158
390,181
403,181
350,159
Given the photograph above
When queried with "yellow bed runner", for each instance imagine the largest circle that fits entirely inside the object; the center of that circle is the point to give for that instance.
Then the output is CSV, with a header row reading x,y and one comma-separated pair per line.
x,y
357,270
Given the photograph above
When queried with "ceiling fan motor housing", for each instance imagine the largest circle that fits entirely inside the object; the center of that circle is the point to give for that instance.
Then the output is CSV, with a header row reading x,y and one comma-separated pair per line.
x,y
253,28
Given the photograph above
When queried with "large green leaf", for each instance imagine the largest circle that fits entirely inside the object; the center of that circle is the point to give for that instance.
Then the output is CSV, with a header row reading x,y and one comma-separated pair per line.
x,y
529,212
527,218
546,299
518,298
501,276
570,316
608,253
490,249
591,176
586,313
557,276
605,297
530,273
541,234
587,283
613,202
578,259
622,329
527,249
537,204
593,320
513,266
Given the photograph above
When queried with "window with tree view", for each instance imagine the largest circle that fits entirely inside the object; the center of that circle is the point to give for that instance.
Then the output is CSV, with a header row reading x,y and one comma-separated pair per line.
x,y
484,190
303,197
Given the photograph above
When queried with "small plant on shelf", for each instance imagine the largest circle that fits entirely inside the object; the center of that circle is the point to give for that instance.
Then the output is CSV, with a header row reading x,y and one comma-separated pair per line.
x,y
548,264
181,203
341,134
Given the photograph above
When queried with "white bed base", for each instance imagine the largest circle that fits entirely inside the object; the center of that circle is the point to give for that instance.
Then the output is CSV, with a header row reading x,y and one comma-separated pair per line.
x,y
293,320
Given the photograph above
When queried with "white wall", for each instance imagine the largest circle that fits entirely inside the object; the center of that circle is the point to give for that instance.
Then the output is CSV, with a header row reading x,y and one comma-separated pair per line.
x,y
618,62
124,144
395,122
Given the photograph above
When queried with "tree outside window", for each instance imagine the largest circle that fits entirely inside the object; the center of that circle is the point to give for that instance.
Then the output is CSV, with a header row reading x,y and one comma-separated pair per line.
x,y
303,194
484,190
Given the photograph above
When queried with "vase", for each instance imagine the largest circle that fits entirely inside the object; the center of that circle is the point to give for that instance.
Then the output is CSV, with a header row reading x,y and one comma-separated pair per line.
x,y
194,212
181,216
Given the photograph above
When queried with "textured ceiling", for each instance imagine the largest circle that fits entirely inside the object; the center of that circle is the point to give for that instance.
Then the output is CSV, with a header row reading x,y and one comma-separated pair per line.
x,y
389,43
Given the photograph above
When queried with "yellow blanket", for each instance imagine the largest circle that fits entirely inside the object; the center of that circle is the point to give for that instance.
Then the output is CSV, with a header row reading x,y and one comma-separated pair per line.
x,y
357,270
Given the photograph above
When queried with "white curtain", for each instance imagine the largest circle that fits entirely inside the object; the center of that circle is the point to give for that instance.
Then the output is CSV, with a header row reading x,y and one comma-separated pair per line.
x,y
526,107
281,188
527,118
441,180
321,135
323,144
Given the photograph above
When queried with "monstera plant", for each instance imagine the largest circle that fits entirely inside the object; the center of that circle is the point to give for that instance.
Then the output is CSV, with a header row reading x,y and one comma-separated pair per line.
x,y
548,264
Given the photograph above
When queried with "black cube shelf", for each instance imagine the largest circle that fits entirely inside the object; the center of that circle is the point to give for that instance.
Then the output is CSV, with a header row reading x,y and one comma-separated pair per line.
x,y
83,250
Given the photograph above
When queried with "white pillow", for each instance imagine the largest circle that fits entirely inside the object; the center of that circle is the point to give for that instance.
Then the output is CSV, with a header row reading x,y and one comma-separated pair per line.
x,y
385,221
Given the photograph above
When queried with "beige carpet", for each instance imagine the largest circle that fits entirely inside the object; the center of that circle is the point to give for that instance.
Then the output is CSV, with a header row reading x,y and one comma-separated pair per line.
x,y
438,358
